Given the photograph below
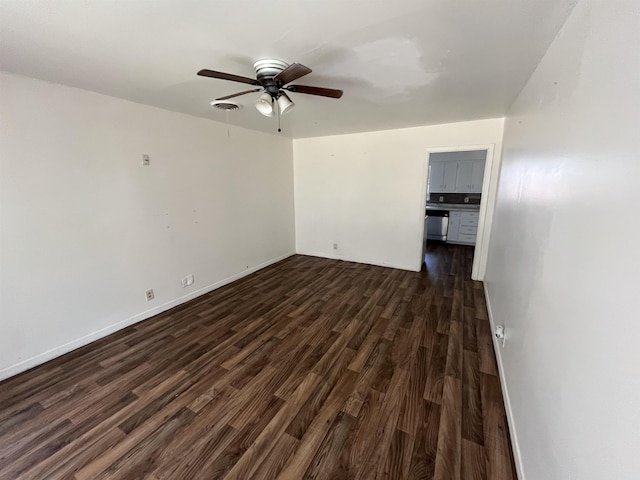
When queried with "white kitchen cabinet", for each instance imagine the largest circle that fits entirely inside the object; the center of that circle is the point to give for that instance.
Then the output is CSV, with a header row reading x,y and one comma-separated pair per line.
x,y
436,176
450,176
466,239
469,177
442,176
477,176
463,227
454,226
463,178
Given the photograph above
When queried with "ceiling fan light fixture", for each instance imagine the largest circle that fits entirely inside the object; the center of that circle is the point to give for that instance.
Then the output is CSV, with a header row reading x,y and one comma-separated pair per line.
x,y
265,105
284,103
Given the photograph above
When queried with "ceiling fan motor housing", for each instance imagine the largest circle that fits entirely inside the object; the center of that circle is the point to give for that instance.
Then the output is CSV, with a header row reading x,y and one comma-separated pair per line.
x,y
266,69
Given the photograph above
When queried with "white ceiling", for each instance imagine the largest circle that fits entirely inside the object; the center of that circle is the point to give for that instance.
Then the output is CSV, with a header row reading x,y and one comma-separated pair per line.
x,y
400,63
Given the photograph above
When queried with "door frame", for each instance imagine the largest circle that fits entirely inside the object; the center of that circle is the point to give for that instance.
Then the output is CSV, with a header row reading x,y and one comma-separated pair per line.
x,y
489,191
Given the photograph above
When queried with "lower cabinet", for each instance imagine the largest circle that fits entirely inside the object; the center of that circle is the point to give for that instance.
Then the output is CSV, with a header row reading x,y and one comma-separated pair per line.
x,y
463,227
454,226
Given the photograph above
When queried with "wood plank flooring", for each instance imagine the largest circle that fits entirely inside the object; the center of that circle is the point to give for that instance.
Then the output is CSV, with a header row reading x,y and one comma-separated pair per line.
x,y
311,368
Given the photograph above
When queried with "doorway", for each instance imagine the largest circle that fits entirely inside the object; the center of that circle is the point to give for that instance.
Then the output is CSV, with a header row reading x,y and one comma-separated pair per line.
x,y
453,174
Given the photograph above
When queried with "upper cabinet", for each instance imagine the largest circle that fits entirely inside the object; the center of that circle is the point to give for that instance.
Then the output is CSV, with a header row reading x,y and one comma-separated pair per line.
x,y
463,179
449,176
477,176
442,176
470,175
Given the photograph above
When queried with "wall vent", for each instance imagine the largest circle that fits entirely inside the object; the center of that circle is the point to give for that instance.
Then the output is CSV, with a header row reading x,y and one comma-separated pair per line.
x,y
224,105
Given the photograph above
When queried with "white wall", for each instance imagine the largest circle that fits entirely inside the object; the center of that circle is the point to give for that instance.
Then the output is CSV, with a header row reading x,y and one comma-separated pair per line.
x,y
364,191
86,229
565,252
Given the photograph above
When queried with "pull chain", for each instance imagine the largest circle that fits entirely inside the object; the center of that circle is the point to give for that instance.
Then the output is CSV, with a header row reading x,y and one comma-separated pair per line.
x,y
279,129
226,113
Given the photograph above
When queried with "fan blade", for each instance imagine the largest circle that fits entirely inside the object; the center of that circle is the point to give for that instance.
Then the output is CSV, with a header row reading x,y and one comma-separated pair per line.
x,y
291,73
227,76
323,92
239,93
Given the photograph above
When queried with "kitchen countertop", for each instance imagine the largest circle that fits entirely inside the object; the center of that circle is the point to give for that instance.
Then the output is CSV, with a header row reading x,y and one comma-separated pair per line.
x,y
453,206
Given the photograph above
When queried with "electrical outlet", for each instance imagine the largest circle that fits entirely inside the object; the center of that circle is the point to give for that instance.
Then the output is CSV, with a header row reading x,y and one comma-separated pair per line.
x,y
500,335
145,160
186,281
335,246
149,294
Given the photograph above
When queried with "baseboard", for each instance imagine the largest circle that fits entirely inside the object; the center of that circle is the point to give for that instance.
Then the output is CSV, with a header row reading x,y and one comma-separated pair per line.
x,y
411,268
103,332
505,391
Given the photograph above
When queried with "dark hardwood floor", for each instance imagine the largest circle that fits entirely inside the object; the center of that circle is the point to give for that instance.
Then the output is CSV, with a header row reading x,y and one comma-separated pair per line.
x,y
311,368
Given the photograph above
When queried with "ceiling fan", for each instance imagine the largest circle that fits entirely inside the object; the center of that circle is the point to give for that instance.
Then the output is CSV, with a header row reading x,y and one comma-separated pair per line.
x,y
273,78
